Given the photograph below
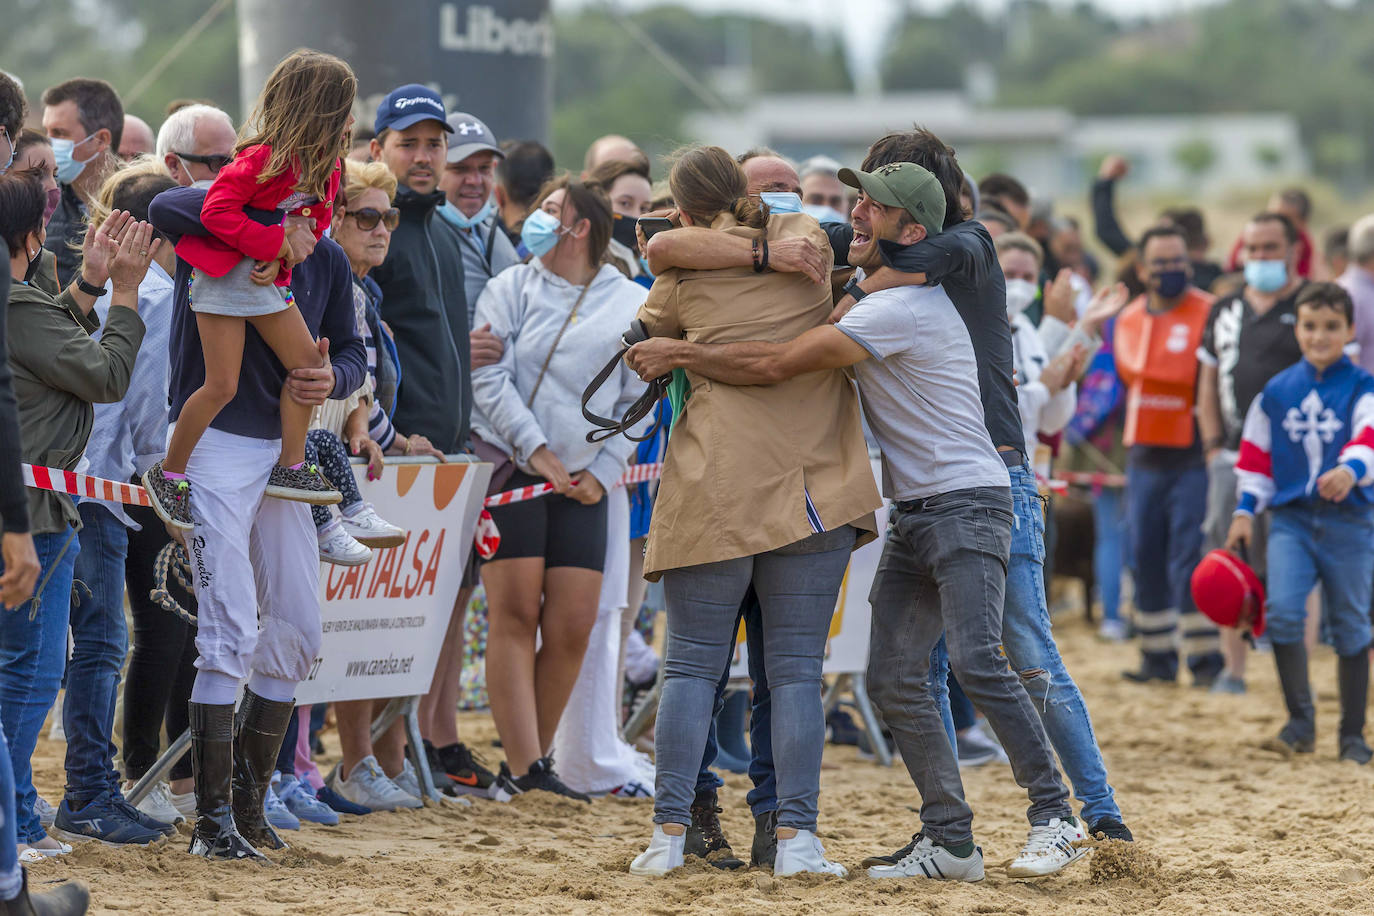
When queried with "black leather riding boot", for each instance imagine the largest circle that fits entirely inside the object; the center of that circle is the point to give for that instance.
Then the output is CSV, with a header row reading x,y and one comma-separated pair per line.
x,y
258,731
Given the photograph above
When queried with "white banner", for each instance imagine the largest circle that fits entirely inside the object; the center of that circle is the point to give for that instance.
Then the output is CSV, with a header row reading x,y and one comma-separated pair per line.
x,y
846,651
384,622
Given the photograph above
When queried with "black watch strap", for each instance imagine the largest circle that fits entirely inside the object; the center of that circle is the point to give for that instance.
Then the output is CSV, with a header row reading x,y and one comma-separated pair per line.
x,y
89,289
853,289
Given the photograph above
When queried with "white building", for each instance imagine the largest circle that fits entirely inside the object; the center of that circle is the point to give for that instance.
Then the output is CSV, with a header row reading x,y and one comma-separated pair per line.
x,y
1051,150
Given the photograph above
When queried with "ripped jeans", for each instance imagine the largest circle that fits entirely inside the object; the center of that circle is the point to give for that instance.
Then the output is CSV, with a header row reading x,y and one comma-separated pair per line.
x,y
1029,643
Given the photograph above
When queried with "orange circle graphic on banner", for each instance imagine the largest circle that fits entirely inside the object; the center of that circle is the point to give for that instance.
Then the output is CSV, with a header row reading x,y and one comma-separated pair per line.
x,y
447,479
405,478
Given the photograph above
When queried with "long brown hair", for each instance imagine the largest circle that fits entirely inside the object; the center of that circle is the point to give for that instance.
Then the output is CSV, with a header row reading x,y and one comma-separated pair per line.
x,y
706,181
301,114
589,201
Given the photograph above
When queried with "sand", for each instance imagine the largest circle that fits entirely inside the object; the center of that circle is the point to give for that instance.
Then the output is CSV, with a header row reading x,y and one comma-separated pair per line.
x,y
1222,827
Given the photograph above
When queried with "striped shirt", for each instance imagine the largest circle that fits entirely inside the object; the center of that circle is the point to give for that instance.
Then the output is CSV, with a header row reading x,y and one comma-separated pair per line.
x,y
379,428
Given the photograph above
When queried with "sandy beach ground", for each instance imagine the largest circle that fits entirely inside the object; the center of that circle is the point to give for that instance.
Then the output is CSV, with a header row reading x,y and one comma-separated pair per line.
x,y
1222,827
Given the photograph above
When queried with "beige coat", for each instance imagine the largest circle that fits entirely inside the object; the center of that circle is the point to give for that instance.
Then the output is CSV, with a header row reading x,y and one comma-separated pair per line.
x,y
741,460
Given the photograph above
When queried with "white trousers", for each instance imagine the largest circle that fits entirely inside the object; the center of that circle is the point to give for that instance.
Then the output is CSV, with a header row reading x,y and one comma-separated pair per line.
x,y
588,750
255,563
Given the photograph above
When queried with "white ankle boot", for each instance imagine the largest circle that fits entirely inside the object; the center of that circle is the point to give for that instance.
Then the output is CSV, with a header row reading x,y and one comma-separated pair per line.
x,y
804,853
663,855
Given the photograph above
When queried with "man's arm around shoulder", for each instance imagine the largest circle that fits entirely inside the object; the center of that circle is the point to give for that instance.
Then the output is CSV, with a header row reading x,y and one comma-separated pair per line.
x,y
754,362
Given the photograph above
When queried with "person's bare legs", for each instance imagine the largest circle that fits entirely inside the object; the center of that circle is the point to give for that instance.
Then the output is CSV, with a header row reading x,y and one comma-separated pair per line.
x,y
1312,629
1234,650
571,596
514,594
439,708
285,332
221,344
354,719
638,586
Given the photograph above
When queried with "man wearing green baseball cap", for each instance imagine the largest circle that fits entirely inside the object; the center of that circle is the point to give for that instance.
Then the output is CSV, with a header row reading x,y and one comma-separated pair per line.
x,y
944,563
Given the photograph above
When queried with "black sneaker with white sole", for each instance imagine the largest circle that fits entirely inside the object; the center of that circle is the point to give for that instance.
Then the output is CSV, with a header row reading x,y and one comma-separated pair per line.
x,y
303,484
893,858
1111,828
170,499
542,778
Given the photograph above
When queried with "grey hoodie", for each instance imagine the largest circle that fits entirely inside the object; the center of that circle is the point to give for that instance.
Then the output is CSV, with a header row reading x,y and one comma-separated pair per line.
x,y
527,305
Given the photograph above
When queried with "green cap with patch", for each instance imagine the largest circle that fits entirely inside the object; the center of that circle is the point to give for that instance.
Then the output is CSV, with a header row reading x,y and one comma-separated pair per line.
x,y
905,185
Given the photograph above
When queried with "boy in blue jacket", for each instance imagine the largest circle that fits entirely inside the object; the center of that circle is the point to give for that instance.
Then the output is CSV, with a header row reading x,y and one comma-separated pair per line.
x,y
1307,453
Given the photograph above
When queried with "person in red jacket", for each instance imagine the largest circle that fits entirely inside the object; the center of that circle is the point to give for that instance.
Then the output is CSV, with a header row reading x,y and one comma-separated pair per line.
x,y
242,270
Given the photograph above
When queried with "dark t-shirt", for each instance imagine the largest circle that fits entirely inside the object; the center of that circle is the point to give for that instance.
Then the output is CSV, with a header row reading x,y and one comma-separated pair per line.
x,y
963,260
1247,350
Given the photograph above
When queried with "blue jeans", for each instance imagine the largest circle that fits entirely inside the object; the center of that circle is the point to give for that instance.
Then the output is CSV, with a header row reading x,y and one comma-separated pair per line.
x,y
1317,541
797,587
1029,640
1167,507
100,640
10,876
1109,548
764,796
33,651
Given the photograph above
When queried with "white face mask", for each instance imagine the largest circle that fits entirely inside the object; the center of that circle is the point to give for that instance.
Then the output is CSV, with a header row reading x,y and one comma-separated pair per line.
x,y
1020,294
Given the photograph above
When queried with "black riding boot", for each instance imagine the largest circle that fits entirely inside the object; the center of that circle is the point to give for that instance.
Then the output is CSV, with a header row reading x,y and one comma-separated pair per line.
x,y
70,899
258,731
1353,676
1299,734
212,760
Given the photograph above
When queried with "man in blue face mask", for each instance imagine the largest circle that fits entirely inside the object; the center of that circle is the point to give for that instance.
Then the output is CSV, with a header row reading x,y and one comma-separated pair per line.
x,y
772,179
1247,341
85,121
467,182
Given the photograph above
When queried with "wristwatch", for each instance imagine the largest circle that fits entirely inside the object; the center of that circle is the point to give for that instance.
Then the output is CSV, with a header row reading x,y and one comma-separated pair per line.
x,y
89,289
853,289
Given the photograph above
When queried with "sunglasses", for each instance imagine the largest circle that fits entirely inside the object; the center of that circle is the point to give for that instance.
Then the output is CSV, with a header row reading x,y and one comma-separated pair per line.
x,y
213,163
368,218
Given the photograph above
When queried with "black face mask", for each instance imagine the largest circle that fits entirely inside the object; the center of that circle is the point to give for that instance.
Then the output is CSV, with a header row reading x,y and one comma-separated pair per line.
x,y
34,263
623,231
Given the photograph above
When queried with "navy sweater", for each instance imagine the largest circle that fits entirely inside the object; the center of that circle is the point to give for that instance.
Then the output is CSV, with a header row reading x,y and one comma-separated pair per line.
x,y
323,287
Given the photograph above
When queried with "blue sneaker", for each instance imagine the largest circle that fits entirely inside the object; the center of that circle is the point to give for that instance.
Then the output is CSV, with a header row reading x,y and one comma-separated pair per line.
x,y
102,818
278,815
299,798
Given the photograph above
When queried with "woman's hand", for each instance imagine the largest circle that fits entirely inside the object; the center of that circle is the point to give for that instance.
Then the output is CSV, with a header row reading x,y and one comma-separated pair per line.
x,y
21,569
361,445
1059,296
129,263
586,489
547,466
417,445
100,244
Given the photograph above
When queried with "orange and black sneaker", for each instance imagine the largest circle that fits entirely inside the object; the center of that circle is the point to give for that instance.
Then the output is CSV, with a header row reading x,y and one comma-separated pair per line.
x,y
463,768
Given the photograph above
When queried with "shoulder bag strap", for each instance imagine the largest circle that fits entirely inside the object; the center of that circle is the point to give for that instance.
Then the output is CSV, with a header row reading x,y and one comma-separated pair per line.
x,y
566,321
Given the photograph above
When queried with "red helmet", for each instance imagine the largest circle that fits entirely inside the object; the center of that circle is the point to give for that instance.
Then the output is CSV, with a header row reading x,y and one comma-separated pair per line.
x,y
1228,591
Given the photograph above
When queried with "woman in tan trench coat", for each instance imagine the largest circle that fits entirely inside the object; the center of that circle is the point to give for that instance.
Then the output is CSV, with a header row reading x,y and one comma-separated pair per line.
x,y
769,484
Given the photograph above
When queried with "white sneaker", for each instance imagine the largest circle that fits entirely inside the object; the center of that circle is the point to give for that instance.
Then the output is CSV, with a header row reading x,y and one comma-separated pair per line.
x,y
185,804
408,781
367,527
1049,848
804,853
1114,631
157,804
368,786
928,860
45,811
339,547
663,855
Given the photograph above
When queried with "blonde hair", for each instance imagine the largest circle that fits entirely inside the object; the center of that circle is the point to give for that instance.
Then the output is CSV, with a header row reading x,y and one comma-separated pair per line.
x,y
301,115
365,176
118,192
707,181
1020,241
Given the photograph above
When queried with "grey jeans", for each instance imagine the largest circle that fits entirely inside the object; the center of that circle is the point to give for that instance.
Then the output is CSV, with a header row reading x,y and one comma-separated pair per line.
x,y
944,569
797,587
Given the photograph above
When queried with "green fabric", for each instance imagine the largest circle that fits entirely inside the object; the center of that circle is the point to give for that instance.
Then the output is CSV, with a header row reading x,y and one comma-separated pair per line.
x,y
679,390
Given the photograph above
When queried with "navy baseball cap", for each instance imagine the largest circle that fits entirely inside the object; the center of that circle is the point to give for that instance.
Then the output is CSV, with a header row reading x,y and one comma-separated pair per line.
x,y
470,135
410,104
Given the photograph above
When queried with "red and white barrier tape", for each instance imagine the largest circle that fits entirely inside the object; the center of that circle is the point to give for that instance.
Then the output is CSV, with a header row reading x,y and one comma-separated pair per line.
x,y
74,484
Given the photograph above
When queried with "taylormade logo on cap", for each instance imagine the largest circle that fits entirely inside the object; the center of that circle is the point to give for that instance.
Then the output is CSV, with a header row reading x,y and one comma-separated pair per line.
x,y
400,104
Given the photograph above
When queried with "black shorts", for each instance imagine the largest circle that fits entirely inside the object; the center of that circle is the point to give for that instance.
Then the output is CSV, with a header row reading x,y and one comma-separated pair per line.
x,y
561,530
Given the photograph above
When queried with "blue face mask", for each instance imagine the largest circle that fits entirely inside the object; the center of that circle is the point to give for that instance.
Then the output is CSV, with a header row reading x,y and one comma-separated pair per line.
x,y
1171,283
69,168
782,201
540,232
1266,276
823,214
644,266
455,216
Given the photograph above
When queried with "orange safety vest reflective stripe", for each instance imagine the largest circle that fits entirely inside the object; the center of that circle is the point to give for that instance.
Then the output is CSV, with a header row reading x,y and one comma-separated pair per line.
x,y
1156,357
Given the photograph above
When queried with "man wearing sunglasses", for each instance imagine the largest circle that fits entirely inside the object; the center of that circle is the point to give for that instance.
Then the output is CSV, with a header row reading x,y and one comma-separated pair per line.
x,y
195,142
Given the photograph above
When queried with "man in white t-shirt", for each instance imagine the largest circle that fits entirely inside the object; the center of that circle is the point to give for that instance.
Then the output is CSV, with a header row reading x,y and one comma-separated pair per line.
x,y
944,565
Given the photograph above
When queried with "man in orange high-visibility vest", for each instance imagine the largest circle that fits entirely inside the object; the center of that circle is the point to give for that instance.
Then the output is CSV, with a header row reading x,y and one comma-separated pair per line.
x,y
1156,342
